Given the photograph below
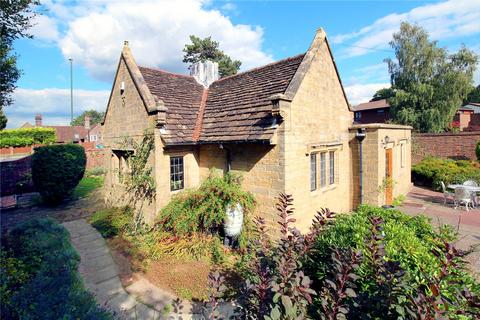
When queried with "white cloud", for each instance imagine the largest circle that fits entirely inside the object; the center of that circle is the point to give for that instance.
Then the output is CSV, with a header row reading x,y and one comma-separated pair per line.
x,y
157,32
53,104
359,93
45,28
454,18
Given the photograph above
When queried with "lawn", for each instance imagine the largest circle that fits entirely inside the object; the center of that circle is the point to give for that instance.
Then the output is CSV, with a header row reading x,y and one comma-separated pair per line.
x,y
87,185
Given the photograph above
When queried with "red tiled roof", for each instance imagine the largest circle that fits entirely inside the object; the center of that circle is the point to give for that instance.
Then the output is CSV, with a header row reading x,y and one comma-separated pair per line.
x,y
235,108
372,105
64,133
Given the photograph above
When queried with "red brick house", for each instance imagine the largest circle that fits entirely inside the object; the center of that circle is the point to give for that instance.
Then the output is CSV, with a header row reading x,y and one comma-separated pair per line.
x,y
372,112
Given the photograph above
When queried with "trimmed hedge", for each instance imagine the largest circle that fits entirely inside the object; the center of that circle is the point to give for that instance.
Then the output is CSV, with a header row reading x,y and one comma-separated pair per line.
x,y
39,278
26,136
431,171
57,170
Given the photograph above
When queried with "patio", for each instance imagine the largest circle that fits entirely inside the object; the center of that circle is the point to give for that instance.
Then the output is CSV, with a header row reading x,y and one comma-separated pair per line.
x,y
430,203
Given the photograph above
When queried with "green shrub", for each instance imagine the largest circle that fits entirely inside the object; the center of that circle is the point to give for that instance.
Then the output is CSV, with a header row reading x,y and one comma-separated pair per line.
x,y
57,170
431,171
40,279
203,209
477,150
26,137
408,241
113,221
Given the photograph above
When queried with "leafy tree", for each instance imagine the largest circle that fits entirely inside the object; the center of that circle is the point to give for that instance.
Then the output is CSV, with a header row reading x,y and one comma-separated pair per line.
x,y
384,93
474,95
3,119
208,49
15,20
429,83
95,117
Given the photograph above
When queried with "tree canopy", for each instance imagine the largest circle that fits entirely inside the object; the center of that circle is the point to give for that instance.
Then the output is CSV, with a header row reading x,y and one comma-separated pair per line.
x,y
384,93
15,20
95,117
474,95
208,49
429,82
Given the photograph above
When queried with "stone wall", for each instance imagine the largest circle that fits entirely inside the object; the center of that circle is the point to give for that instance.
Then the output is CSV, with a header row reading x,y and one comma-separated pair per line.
x,y
126,117
318,121
459,145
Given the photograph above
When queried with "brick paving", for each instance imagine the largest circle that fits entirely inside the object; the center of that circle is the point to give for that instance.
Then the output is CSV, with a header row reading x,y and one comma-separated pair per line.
x,y
430,203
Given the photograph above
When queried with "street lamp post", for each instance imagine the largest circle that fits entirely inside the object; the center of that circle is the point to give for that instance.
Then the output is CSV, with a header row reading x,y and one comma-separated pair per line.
x,y
71,97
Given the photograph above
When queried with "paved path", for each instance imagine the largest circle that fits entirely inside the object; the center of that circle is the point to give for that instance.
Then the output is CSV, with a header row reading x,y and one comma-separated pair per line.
x,y
430,203
101,277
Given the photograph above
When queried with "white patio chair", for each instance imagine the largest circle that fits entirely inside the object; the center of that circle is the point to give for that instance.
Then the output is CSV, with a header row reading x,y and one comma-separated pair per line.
x,y
446,193
462,195
470,183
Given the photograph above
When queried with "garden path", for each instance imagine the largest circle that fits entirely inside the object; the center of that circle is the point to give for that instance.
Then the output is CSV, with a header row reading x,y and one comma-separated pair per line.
x,y
101,277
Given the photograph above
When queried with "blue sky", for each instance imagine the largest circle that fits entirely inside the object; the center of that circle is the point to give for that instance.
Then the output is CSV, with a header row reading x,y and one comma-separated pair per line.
x,y
255,32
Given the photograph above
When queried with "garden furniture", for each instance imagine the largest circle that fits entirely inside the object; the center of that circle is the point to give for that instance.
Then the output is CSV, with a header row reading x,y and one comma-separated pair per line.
x,y
462,195
446,193
472,189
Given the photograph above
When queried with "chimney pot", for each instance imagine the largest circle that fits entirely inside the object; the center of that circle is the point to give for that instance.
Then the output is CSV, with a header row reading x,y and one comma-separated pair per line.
x,y
38,120
86,122
205,72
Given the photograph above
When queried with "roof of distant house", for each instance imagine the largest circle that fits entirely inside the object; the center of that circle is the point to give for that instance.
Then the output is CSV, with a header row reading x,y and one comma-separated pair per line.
x,y
64,133
234,108
27,125
371,105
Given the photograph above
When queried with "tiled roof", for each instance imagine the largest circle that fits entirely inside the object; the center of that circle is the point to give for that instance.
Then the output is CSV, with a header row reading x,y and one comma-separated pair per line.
x,y
235,108
238,107
64,133
182,96
372,105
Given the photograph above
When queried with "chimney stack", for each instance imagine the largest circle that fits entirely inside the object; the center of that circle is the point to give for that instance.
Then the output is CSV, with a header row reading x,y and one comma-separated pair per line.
x,y
205,72
38,120
86,122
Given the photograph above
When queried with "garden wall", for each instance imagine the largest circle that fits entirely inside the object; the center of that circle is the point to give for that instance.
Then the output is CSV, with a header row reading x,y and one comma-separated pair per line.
x,y
459,145
95,158
16,176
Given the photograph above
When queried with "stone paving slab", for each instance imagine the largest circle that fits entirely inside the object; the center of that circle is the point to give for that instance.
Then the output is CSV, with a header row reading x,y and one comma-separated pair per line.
x,y
100,275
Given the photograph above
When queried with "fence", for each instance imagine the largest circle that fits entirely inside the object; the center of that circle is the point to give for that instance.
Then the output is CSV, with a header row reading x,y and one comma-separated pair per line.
x,y
16,176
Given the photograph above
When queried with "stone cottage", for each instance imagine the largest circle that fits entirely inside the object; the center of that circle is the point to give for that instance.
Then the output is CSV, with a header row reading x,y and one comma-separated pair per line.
x,y
286,126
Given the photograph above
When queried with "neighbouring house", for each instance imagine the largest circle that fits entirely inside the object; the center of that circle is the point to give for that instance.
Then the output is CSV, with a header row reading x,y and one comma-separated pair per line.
x,y
285,126
95,135
65,134
372,112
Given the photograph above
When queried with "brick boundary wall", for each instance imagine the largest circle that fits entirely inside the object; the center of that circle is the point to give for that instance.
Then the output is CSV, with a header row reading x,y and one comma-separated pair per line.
x,y
459,145
16,176
95,158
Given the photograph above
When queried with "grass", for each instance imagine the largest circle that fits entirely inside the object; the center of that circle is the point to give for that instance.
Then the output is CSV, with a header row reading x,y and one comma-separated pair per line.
x,y
87,185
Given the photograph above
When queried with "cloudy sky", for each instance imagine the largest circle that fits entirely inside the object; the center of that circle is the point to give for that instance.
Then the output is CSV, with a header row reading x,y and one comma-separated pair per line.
x,y
256,32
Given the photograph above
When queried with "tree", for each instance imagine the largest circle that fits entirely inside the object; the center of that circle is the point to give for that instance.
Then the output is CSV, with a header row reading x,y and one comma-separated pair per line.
x,y
208,49
384,93
95,117
429,83
16,18
474,95
3,119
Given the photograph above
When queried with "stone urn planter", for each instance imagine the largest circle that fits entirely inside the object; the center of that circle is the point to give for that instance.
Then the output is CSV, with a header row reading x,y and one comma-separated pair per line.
x,y
233,224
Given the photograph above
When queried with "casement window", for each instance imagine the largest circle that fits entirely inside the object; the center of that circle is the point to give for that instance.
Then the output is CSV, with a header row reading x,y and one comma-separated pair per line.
x,y
176,173
313,171
331,159
402,155
358,115
93,137
323,168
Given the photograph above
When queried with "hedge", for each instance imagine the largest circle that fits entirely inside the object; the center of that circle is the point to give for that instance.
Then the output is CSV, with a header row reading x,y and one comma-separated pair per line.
x,y
39,278
26,136
431,171
57,170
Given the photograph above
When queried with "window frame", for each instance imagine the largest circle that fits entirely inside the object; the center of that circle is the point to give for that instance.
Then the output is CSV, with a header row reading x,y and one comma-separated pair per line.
x,y
313,171
177,173
331,167
323,169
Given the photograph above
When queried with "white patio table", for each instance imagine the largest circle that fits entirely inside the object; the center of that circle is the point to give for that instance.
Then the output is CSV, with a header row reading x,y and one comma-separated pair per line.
x,y
472,189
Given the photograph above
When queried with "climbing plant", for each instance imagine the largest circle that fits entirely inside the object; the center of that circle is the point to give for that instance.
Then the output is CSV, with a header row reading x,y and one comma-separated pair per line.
x,y
138,179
